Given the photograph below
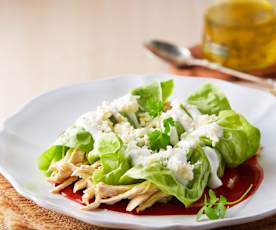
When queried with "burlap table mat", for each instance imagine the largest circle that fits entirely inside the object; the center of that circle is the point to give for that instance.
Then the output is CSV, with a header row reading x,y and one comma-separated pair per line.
x,y
18,213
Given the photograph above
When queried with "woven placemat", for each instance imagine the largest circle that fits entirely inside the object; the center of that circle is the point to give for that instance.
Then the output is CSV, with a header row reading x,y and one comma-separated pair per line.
x,y
18,213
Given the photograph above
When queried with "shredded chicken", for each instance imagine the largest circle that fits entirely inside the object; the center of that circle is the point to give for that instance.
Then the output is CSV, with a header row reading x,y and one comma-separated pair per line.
x,y
88,194
105,190
157,197
73,169
120,192
76,156
79,185
64,168
65,184
136,201
61,171
84,172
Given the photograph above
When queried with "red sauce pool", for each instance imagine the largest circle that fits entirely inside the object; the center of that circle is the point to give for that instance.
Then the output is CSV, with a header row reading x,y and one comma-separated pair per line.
x,y
235,182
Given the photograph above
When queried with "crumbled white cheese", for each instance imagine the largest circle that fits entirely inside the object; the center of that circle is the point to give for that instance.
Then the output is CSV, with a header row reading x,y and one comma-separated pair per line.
x,y
214,181
213,131
140,135
127,104
88,122
99,120
92,124
104,111
124,130
129,134
177,162
138,154
172,158
178,114
187,142
162,156
147,121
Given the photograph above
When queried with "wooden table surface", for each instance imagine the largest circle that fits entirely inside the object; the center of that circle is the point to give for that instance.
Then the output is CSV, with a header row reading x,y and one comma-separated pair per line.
x,y
46,44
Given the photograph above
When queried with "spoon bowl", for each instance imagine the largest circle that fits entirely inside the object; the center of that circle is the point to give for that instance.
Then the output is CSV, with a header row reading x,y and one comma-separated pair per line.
x,y
175,55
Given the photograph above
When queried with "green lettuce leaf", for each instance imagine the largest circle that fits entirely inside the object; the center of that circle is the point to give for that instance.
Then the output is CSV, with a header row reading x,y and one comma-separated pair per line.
x,y
76,137
221,167
52,154
153,96
167,89
165,179
148,95
113,160
240,140
72,138
107,144
209,99
113,167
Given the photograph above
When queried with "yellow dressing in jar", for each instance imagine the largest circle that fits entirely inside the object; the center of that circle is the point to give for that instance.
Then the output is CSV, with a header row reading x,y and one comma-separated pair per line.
x,y
241,34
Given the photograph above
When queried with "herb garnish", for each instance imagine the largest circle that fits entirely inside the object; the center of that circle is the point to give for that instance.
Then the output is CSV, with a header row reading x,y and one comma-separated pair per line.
x,y
168,123
158,140
155,108
215,208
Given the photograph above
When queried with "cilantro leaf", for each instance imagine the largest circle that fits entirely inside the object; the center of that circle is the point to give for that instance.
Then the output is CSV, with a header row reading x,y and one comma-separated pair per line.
x,y
216,208
211,213
158,140
220,208
212,196
167,124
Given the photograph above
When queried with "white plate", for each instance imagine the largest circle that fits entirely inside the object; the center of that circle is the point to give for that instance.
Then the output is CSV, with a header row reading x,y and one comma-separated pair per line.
x,y
35,126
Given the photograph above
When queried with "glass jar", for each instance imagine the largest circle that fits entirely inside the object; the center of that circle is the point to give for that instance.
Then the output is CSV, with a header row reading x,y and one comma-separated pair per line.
x,y
240,34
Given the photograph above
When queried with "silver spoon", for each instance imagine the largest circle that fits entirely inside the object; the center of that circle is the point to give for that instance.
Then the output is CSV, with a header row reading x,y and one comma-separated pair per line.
x,y
181,57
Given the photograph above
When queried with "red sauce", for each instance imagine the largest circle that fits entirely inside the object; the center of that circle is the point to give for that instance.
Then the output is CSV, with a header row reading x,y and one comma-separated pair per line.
x,y
235,182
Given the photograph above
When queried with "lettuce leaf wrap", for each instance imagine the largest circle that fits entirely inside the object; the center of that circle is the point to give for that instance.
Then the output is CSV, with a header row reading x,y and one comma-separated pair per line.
x,y
240,139
166,181
114,163
209,99
76,138
52,154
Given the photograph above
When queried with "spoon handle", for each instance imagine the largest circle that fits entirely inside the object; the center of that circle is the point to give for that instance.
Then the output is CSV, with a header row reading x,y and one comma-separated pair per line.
x,y
268,83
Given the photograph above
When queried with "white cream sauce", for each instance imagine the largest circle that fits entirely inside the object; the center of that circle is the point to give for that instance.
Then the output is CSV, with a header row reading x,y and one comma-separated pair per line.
x,y
214,181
